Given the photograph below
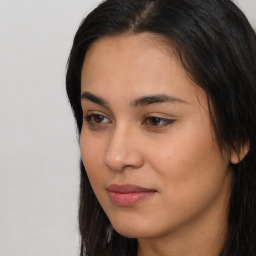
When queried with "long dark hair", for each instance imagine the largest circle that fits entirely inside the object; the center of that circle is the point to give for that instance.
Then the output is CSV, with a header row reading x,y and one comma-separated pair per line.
x,y
217,47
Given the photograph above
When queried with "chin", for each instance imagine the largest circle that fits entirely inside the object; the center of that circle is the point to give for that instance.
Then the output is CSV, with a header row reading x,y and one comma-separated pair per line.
x,y
130,232
132,229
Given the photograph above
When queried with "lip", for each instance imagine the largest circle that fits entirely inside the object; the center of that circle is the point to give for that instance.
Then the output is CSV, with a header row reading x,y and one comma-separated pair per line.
x,y
128,194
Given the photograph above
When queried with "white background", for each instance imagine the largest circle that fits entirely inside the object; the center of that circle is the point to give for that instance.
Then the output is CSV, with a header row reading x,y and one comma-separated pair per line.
x,y
39,174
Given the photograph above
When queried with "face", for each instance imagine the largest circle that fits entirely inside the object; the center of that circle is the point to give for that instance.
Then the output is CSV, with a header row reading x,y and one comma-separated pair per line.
x,y
147,142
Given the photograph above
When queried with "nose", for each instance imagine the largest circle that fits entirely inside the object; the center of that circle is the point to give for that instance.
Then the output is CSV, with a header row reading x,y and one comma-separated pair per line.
x,y
123,151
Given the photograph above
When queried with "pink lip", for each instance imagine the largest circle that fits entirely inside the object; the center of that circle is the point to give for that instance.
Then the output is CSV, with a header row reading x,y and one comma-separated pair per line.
x,y
128,194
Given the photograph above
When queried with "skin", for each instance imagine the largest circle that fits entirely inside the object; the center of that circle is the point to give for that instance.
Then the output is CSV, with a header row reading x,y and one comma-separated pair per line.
x,y
121,144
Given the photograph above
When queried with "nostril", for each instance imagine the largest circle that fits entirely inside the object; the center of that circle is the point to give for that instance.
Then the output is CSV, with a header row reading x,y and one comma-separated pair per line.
x,y
118,159
114,163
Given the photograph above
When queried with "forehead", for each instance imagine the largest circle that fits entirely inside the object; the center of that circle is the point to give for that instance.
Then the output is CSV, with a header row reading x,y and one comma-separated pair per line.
x,y
130,49
135,65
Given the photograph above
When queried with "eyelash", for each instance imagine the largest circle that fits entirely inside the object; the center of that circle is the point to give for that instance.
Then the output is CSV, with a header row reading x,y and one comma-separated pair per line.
x,y
90,119
148,121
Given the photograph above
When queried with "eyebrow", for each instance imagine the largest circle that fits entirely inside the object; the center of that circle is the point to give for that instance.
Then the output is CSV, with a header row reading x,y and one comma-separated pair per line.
x,y
143,101
152,99
93,98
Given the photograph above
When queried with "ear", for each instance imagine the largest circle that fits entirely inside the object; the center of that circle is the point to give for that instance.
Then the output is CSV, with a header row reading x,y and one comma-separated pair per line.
x,y
237,157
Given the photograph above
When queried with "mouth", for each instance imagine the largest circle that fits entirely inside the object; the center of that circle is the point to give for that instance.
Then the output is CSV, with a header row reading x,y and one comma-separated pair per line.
x,y
128,194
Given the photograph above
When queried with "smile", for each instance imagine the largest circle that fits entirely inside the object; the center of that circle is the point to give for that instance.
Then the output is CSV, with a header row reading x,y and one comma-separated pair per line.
x,y
128,194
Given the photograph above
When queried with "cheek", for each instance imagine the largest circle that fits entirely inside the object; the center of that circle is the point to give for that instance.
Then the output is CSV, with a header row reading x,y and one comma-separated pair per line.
x,y
92,156
190,165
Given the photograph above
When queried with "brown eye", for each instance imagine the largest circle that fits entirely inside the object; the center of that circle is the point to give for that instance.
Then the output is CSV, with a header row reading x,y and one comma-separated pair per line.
x,y
157,121
98,118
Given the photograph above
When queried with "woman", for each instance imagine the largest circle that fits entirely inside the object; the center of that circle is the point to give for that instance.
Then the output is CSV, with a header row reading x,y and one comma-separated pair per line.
x,y
164,94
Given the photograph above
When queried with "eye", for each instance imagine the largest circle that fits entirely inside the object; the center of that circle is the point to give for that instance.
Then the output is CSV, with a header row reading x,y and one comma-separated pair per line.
x,y
157,121
96,119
